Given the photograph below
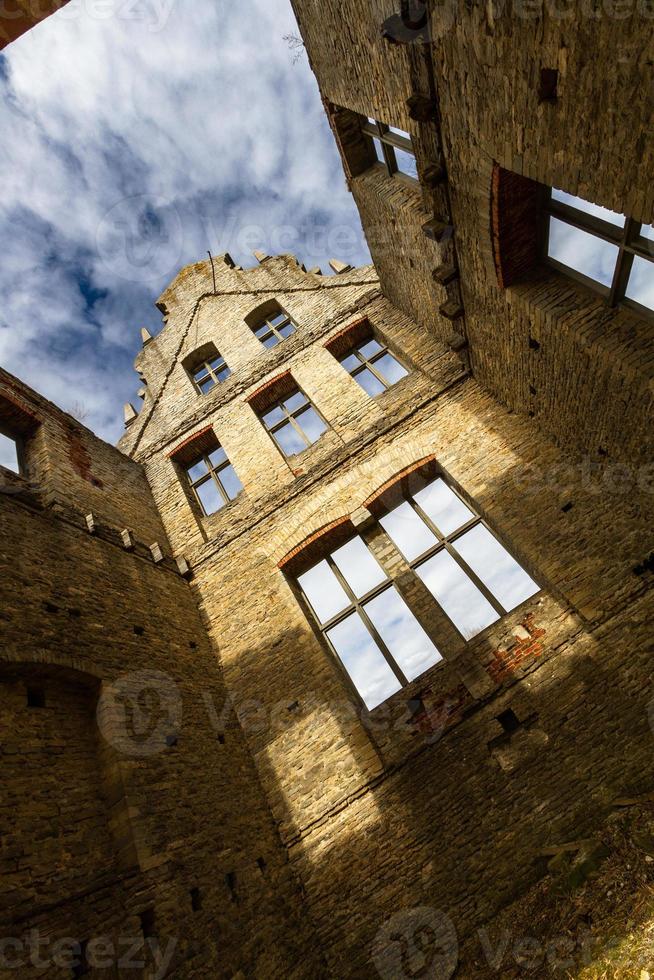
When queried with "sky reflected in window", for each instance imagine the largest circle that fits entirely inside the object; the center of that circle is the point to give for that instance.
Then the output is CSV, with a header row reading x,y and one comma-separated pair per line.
x,y
441,504
359,568
408,531
640,287
495,567
8,454
588,254
324,591
402,633
468,609
364,661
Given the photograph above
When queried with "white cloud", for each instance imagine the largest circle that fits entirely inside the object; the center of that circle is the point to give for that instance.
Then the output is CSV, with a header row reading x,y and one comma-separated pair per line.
x,y
189,112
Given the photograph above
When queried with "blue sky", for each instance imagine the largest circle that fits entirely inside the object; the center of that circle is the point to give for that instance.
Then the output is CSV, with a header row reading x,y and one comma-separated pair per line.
x,y
136,135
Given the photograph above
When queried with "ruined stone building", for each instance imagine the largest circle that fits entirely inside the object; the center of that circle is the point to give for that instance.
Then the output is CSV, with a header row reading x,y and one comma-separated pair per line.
x,y
356,622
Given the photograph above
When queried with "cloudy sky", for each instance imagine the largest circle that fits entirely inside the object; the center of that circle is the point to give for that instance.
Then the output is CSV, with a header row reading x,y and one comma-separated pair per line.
x,y
136,135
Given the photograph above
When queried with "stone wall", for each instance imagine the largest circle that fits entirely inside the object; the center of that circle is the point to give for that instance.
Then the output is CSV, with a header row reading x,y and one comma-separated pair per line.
x,y
131,814
428,800
546,347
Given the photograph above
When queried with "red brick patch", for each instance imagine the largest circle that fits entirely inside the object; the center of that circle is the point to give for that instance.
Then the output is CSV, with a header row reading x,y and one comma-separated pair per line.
x,y
506,662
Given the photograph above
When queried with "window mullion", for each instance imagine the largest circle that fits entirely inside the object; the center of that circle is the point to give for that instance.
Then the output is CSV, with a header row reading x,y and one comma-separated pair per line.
x,y
359,609
221,489
485,591
380,377
425,519
389,159
299,430
388,656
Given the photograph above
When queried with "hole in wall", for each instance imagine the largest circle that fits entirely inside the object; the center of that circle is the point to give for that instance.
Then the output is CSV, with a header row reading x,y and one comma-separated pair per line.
x,y
148,923
172,740
35,697
81,966
221,739
196,899
230,881
567,507
261,864
533,344
75,613
509,721
50,607
139,630
548,85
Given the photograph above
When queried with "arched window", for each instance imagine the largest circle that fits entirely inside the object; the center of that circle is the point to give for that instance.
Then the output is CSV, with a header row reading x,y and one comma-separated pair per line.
x,y
206,368
366,357
271,324
207,472
365,617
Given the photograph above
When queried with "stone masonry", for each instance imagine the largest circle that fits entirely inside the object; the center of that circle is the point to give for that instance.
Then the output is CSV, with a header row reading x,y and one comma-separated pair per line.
x,y
190,786
427,800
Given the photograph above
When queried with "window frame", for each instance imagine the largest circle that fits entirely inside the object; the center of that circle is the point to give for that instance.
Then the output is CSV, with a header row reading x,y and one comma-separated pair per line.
x,y
210,372
389,141
289,416
20,452
274,329
356,607
212,473
368,363
628,240
448,543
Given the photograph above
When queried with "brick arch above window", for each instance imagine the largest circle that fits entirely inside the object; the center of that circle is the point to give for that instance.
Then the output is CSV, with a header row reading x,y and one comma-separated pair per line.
x,y
193,446
515,208
206,367
261,312
407,481
353,333
315,545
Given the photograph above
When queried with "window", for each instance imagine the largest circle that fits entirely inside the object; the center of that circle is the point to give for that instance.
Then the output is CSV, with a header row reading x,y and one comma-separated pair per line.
x,y
367,624
470,574
393,148
612,253
274,328
293,423
206,368
371,364
209,373
9,453
213,480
